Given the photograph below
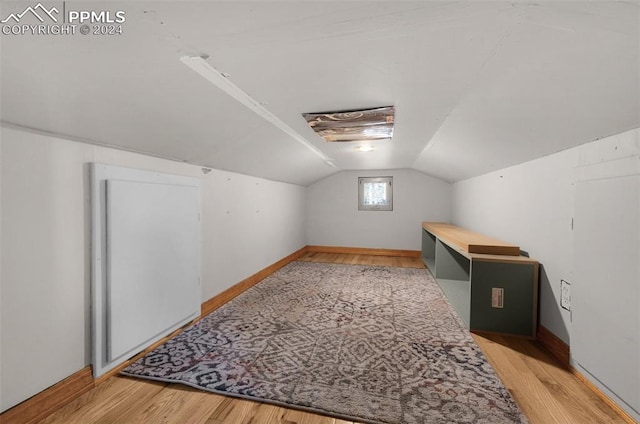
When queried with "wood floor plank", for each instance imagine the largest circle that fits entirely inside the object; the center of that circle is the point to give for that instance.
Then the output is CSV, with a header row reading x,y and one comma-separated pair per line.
x,y
89,407
222,410
360,259
532,396
564,386
233,411
545,391
179,405
294,416
136,400
254,413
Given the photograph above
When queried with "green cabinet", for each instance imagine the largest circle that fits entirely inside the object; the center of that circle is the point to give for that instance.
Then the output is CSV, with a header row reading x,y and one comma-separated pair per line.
x,y
491,293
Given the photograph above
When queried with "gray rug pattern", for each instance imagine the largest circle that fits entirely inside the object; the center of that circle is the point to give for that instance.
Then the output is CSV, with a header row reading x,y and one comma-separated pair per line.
x,y
366,343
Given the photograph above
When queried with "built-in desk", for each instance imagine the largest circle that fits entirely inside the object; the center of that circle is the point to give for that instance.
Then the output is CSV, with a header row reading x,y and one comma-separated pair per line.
x,y
492,286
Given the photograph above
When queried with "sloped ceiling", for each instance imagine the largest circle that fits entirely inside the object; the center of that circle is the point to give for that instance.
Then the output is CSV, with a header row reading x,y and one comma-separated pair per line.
x,y
477,85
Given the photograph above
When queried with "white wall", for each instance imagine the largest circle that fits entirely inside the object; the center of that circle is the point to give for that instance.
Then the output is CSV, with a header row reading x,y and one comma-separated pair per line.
x,y
1,377
532,205
334,219
248,223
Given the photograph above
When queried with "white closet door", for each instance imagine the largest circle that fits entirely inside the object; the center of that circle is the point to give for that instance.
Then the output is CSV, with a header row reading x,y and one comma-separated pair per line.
x,y
146,260
153,261
605,338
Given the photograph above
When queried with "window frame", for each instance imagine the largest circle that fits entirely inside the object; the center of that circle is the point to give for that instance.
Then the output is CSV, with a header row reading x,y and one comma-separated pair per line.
x,y
364,180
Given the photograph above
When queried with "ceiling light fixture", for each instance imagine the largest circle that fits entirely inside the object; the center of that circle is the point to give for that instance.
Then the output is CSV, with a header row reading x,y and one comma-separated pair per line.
x,y
364,148
221,80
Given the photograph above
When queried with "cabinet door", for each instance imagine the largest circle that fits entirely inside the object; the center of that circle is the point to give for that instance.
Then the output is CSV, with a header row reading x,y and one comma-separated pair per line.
x,y
605,291
518,282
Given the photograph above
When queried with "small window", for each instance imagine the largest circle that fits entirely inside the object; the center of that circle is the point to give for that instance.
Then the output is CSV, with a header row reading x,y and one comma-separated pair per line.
x,y
375,193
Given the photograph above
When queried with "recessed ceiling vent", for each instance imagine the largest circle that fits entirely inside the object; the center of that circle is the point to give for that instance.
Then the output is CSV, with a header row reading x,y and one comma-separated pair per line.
x,y
353,125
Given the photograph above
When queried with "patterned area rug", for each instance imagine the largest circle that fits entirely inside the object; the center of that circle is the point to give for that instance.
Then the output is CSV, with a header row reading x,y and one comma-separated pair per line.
x,y
366,343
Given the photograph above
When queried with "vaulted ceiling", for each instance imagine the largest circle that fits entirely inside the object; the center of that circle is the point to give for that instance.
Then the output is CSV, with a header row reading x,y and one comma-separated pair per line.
x,y
477,85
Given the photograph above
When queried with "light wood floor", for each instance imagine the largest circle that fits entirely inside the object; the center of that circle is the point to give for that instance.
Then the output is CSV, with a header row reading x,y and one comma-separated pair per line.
x,y
342,258
546,392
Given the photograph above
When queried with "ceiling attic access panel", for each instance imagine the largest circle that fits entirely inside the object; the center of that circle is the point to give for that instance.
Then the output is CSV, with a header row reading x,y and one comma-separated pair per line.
x,y
353,125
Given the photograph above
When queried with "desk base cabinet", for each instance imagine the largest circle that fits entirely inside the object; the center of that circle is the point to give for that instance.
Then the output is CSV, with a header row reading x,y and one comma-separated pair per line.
x,y
518,314
468,281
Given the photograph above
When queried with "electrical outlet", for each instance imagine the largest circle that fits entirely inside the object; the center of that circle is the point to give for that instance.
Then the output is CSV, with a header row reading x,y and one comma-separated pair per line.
x,y
565,295
497,297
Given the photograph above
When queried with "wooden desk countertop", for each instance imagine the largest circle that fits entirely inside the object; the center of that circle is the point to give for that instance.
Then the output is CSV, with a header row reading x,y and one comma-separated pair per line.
x,y
470,242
